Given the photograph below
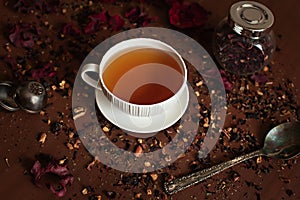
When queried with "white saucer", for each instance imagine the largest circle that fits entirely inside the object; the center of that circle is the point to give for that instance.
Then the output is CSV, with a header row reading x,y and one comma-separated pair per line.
x,y
142,126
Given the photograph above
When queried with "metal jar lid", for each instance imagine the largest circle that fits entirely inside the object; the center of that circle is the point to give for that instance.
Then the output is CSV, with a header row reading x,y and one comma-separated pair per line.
x,y
250,18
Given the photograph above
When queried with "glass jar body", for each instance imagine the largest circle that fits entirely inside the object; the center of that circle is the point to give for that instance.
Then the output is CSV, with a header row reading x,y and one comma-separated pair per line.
x,y
241,54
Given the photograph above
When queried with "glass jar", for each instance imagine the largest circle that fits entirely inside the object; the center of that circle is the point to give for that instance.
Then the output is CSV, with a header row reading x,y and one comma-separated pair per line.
x,y
243,42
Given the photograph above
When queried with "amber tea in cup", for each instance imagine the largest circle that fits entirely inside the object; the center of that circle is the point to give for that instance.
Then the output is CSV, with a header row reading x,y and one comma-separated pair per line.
x,y
144,76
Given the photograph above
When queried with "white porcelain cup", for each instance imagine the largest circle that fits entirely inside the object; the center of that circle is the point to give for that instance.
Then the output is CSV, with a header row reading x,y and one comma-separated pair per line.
x,y
133,109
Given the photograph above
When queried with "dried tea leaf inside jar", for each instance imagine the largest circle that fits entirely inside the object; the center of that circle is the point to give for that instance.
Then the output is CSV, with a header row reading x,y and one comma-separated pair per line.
x,y
244,42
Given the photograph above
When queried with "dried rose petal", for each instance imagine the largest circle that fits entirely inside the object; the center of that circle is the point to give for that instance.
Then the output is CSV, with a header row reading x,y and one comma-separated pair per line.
x,y
47,71
53,167
70,29
187,15
227,83
38,171
45,6
10,61
24,35
171,2
97,21
138,16
116,22
107,1
259,78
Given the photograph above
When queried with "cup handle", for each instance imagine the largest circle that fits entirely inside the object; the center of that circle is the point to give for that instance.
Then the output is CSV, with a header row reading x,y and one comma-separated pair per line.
x,y
91,67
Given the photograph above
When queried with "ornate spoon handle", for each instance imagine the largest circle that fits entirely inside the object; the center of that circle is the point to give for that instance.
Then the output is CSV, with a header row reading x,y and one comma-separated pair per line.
x,y
186,181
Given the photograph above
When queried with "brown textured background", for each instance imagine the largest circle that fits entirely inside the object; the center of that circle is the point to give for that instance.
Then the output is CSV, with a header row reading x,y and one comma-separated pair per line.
x,y
19,131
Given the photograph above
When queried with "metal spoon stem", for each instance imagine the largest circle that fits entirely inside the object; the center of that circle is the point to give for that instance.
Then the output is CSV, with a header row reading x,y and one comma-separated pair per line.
x,y
186,181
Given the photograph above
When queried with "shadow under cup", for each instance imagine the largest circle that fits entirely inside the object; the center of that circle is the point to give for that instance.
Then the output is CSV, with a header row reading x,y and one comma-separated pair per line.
x,y
143,77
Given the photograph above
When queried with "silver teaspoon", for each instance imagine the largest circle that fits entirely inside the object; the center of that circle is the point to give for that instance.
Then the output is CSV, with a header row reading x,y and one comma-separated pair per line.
x,y
282,142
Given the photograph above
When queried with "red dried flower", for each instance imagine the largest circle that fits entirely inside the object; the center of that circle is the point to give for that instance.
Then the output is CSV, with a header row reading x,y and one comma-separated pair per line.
x,y
213,74
47,71
260,78
53,167
10,61
227,83
70,29
116,22
187,15
138,16
97,21
23,35
45,6
108,1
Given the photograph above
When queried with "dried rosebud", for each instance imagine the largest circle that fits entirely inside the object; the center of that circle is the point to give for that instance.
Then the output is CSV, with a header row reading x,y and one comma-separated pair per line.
x,y
187,15
53,167
24,35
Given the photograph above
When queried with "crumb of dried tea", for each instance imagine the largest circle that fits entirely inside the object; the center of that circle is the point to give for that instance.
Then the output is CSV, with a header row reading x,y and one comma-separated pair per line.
x,y
138,151
86,190
105,129
111,194
154,177
42,137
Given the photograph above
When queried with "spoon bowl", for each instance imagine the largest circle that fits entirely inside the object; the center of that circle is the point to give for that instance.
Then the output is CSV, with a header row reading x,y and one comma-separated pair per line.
x,y
283,141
